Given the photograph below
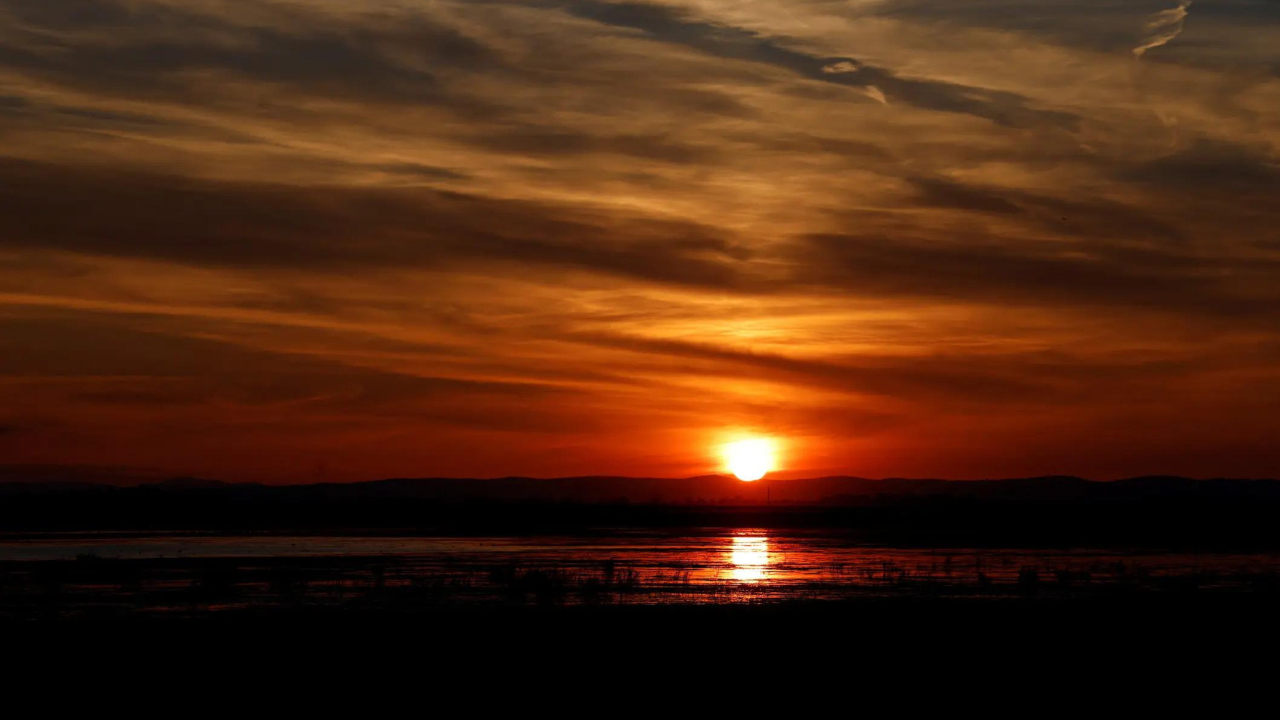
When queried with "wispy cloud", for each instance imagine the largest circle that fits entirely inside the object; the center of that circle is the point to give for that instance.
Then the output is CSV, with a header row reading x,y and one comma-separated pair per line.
x,y
1163,27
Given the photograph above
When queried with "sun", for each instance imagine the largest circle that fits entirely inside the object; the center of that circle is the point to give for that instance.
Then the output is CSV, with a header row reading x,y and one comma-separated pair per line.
x,y
749,459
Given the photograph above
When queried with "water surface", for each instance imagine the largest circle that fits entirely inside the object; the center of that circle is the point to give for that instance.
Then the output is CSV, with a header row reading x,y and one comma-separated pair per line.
x,y
656,568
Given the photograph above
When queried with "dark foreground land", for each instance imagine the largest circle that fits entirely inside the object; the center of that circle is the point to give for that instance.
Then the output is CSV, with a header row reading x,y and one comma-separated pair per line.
x,y
604,579
1081,650
559,627
918,655
601,606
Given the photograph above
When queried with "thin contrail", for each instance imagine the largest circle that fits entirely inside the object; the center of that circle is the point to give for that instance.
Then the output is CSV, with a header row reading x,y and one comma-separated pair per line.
x,y
1163,27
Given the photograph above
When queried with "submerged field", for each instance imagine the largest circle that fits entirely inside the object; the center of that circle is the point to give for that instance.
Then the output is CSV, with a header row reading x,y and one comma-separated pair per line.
x,y
158,575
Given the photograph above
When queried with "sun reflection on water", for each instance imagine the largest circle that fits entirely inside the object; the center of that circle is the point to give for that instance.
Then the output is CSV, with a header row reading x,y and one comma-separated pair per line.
x,y
750,558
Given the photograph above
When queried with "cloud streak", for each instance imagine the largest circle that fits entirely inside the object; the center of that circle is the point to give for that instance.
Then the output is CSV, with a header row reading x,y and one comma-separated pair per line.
x,y
1163,27
878,83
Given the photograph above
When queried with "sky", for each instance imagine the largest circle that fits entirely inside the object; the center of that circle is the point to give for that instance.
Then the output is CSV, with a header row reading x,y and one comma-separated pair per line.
x,y
301,240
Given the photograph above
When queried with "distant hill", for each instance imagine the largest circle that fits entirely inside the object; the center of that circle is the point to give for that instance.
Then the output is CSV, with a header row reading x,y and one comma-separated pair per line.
x,y
704,489
724,489
1058,511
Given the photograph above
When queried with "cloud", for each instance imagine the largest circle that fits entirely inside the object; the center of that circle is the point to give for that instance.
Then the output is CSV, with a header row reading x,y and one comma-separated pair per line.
x,y
996,244
262,225
155,371
1163,27
1101,25
673,26
843,66
1091,217
484,237
1211,167
382,58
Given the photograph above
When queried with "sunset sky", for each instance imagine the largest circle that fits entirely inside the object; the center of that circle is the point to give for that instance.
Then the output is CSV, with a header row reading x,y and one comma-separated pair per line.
x,y
298,240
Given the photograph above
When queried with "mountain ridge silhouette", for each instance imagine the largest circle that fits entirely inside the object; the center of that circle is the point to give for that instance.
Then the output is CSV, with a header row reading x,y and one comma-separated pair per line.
x,y
711,488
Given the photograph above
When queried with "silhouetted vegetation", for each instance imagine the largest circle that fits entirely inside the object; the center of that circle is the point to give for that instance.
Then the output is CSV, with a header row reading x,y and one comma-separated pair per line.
x,y
945,532
139,587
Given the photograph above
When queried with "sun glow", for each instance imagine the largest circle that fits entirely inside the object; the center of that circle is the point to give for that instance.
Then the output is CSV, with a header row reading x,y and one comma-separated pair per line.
x,y
749,459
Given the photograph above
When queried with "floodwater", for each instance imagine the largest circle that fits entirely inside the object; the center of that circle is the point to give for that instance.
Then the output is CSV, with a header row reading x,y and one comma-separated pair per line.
x,y
643,567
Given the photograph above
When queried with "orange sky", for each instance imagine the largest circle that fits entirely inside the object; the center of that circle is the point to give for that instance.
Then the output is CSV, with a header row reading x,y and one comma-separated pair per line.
x,y
317,240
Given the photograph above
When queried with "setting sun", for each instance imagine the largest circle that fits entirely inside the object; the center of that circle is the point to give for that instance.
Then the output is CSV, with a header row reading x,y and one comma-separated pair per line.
x,y
749,459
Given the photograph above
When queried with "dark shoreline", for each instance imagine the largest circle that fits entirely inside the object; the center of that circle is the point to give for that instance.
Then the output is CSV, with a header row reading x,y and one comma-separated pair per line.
x,y
1150,515
925,524
1169,513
